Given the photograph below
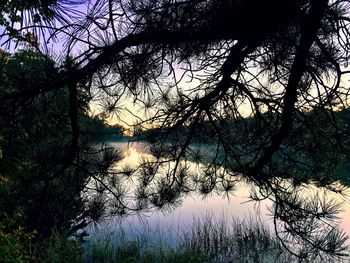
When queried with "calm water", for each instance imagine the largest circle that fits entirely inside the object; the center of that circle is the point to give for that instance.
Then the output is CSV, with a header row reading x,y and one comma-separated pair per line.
x,y
238,205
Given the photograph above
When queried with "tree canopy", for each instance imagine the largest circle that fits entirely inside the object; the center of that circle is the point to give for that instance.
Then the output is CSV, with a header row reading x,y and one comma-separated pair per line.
x,y
266,79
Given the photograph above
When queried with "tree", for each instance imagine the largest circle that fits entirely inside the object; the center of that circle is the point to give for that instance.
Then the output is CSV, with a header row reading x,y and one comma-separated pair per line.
x,y
261,74
40,186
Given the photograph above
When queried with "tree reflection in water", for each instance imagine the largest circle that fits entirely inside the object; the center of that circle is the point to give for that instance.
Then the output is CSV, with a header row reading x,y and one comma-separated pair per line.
x,y
304,217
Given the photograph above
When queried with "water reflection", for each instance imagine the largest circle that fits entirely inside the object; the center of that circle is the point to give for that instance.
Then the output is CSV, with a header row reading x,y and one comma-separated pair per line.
x,y
238,205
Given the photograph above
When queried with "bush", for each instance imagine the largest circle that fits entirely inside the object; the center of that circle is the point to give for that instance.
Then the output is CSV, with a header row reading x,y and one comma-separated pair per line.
x,y
15,246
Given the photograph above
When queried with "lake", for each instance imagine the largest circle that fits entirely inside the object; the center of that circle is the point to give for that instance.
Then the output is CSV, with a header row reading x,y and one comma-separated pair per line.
x,y
238,205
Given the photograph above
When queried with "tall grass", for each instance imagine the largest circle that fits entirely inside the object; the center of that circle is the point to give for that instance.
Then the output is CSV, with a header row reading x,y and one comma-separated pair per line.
x,y
116,247
207,239
57,249
235,241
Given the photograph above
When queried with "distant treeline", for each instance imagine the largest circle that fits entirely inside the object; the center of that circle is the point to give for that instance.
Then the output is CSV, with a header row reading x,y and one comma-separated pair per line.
x,y
206,131
309,149
96,129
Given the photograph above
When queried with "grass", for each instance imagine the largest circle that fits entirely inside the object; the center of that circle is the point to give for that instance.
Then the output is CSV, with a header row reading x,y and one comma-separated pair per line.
x,y
57,249
220,241
205,240
107,249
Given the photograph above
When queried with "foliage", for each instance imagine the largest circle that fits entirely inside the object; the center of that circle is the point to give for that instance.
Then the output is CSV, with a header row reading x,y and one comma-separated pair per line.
x,y
15,246
39,179
31,132
41,13
20,246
